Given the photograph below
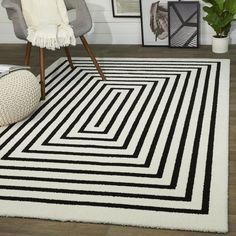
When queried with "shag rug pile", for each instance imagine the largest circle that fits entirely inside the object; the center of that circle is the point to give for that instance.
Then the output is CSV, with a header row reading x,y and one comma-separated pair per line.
x,y
147,147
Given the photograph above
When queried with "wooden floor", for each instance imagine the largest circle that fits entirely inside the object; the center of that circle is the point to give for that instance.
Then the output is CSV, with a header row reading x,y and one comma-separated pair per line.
x,y
14,54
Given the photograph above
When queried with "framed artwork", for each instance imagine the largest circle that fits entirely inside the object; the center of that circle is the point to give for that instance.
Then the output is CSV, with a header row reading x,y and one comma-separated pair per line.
x,y
125,8
154,22
184,26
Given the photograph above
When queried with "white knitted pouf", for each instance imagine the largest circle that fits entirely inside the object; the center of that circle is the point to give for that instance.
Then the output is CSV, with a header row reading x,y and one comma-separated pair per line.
x,y
19,96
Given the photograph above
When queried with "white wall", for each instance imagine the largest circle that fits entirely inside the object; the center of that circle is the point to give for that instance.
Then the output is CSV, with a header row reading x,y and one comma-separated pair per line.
x,y
107,29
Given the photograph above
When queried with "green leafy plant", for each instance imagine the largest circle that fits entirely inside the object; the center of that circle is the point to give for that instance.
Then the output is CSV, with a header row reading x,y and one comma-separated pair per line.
x,y
220,14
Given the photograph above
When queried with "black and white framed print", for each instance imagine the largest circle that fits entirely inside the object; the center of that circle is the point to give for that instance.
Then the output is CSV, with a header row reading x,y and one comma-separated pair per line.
x,y
154,21
125,8
183,21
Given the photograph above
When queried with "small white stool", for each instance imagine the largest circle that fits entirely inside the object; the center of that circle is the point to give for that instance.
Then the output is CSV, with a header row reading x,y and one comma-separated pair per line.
x,y
19,96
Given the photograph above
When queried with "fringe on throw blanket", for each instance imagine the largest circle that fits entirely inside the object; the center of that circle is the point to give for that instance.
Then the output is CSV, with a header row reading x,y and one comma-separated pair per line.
x,y
48,23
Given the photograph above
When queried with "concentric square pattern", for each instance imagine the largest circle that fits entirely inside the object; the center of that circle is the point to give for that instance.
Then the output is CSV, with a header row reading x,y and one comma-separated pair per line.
x,y
142,140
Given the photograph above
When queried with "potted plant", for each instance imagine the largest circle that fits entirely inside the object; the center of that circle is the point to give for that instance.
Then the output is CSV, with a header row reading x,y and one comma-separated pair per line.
x,y
220,14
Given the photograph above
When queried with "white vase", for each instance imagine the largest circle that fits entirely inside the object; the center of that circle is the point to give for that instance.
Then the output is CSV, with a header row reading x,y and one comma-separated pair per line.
x,y
220,45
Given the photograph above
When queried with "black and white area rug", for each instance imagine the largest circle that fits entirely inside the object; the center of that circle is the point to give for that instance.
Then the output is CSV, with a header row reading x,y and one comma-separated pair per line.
x,y
147,147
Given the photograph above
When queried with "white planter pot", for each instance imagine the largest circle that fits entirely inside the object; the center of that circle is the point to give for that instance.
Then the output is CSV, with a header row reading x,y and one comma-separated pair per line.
x,y
220,45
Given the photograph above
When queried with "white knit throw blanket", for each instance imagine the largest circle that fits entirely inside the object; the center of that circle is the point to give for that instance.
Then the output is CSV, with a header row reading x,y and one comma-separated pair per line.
x,y
48,23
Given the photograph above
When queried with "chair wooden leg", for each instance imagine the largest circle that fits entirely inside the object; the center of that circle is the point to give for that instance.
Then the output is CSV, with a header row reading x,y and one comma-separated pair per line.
x,y
27,54
67,51
42,72
90,52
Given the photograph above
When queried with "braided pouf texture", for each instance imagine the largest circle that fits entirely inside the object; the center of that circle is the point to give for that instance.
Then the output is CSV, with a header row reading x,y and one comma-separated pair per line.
x,y
19,96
